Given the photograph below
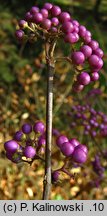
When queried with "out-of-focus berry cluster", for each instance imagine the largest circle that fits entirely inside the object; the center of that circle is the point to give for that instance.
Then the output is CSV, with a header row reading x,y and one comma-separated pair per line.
x,y
94,122
98,169
72,148
50,22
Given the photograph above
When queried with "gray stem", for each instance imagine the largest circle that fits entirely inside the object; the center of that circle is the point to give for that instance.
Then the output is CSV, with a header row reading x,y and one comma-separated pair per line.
x,y
49,107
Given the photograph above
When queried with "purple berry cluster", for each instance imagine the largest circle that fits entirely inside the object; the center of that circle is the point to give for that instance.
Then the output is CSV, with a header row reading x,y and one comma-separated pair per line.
x,y
97,166
94,122
53,23
26,142
72,149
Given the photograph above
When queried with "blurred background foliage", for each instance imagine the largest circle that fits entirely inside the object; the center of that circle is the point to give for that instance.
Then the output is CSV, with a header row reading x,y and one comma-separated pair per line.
x,y
22,94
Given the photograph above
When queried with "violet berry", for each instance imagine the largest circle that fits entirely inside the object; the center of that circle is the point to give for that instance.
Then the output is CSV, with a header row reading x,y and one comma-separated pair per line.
x,y
79,155
83,147
19,34
93,60
44,12
56,10
82,31
99,52
94,76
28,17
67,149
26,128
55,21
11,146
70,38
18,136
75,22
22,24
34,10
46,24
94,44
84,78
37,18
61,139
29,152
87,51
74,142
48,6
41,141
55,176
67,27
78,57
77,87
39,127
64,16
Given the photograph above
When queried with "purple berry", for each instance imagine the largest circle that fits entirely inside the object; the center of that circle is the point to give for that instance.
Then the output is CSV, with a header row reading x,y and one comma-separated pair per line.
x,y
28,16
95,76
88,34
18,136
48,6
83,147
78,57
34,10
82,31
22,24
87,50
44,12
29,152
93,60
55,21
94,44
76,29
99,52
76,36
93,133
67,149
74,142
67,27
19,34
64,16
41,141
70,38
27,128
99,65
55,176
75,22
60,140
77,87
79,155
55,132
84,78
39,127
54,30
46,24
87,39
38,18
56,10
11,146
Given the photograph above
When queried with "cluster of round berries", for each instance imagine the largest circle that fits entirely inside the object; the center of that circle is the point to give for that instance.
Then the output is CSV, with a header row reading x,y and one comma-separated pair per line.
x,y
56,23
72,149
93,122
97,167
26,143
